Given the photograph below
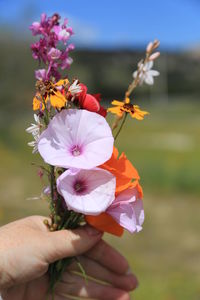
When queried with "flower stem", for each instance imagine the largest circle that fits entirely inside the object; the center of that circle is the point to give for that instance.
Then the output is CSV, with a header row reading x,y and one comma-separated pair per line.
x,y
57,268
131,87
122,124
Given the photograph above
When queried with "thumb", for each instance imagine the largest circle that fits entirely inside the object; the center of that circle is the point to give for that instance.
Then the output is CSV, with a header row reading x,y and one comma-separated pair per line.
x,y
69,243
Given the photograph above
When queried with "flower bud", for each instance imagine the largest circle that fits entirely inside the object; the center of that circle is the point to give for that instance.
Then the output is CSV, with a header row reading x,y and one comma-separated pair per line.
x,y
40,173
46,222
156,44
154,56
57,219
55,226
149,47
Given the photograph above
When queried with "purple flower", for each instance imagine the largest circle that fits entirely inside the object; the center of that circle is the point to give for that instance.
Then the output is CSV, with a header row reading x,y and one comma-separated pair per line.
x,y
47,191
66,61
54,54
36,28
87,191
41,74
76,139
70,47
39,50
62,33
53,72
46,50
43,19
127,210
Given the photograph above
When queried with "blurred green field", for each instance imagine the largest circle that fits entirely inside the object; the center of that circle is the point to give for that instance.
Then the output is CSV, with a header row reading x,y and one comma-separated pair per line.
x,y
165,148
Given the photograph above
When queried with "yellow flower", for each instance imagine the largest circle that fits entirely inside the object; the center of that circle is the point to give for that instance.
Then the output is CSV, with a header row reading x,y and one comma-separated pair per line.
x,y
37,102
62,83
56,97
55,93
122,107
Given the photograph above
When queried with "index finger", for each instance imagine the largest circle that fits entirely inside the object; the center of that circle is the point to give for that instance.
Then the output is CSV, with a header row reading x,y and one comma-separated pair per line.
x,y
108,257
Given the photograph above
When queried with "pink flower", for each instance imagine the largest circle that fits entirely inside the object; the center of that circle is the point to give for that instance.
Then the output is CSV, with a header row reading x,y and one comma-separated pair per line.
x,y
62,33
54,54
76,139
127,210
53,36
87,191
41,74
35,28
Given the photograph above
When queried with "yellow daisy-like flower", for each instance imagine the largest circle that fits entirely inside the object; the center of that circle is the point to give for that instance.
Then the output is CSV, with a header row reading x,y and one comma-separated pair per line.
x,y
53,93
122,107
57,99
37,102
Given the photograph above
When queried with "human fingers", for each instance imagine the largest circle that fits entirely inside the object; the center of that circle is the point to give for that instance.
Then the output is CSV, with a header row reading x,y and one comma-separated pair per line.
x,y
108,257
69,243
93,269
77,286
64,297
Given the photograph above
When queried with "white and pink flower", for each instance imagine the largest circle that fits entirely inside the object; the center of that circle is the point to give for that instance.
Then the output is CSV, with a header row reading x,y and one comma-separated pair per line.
x,y
127,210
87,191
34,129
145,73
76,139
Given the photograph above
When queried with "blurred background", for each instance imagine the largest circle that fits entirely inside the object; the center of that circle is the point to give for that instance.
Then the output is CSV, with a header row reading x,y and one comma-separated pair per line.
x,y
110,38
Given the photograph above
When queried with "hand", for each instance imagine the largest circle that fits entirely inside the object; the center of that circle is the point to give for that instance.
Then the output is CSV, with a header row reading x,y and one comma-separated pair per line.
x,y
27,248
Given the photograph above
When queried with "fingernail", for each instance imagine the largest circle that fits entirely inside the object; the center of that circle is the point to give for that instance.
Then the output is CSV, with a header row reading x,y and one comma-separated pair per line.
x,y
92,231
124,296
134,283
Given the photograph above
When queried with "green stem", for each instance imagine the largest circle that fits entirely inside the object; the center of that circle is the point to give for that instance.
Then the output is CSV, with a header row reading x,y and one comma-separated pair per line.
x,y
122,124
57,268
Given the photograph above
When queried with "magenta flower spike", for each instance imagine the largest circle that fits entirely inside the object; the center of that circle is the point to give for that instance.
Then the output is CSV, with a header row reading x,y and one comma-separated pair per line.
x,y
52,48
127,210
76,139
87,191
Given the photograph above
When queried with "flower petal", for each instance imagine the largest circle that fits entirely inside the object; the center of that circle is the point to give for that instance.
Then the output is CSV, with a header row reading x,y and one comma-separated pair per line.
x,y
118,103
122,169
98,193
148,66
90,103
154,73
67,130
149,79
127,210
104,222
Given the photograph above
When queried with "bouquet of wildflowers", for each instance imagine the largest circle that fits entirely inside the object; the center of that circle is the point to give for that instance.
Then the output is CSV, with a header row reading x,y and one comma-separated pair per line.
x,y
88,181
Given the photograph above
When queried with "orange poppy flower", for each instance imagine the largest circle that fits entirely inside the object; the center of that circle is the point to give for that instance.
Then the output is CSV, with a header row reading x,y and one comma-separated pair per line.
x,y
126,107
104,222
126,177
122,169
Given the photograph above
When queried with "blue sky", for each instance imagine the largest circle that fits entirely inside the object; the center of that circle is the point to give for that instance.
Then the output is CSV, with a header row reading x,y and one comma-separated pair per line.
x,y
114,23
